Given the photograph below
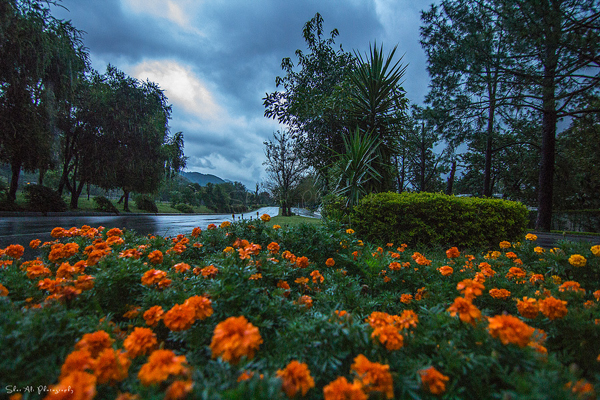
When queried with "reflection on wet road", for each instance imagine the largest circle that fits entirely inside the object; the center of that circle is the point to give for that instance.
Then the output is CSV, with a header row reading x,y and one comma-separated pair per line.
x,y
22,230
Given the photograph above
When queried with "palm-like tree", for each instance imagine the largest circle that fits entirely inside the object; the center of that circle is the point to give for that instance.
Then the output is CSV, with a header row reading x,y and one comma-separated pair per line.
x,y
377,104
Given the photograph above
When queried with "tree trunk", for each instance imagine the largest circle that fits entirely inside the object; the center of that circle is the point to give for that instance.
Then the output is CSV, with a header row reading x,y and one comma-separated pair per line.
x,y
14,181
42,172
548,153
546,175
450,185
126,201
487,173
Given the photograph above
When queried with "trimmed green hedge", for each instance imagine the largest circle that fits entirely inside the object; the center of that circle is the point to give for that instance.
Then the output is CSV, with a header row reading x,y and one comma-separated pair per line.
x,y
438,219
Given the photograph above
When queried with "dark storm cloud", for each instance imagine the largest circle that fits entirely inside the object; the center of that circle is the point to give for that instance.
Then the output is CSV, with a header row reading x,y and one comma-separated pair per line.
x,y
230,52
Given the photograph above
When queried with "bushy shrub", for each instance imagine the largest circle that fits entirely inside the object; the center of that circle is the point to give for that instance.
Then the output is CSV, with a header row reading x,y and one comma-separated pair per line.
x,y
437,219
105,205
44,199
145,203
335,208
184,208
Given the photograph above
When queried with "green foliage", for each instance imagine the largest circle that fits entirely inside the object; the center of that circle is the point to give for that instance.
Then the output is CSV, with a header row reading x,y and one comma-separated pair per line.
x,y
105,205
437,219
44,199
335,208
184,208
145,203
40,327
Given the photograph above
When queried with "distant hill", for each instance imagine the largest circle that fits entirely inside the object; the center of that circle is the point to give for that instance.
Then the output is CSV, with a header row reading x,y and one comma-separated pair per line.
x,y
202,179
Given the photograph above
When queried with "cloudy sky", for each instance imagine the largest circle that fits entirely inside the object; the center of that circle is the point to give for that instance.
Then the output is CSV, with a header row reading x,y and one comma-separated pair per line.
x,y
216,60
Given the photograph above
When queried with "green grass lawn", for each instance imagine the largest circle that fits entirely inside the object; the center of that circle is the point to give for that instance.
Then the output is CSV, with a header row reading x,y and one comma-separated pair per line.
x,y
292,221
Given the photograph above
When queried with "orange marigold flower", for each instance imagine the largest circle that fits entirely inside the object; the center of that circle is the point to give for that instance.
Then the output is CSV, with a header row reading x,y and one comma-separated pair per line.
x,y
406,298
528,307
499,293
209,272
14,251
330,262
571,286
225,224
201,305
597,295
265,217
553,308
349,231
111,366
283,285
162,364
3,291
196,232
276,227
341,389
181,267
504,245
153,315
114,232
78,360
57,232
531,236
255,277
582,388
180,317
389,336
452,252
77,385
577,260
516,272
37,269
94,342
305,301
302,262
433,380
470,288
511,255
234,338
84,282
373,376
466,311
295,377
211,226
510,329
595,250
178,390
395,266
301,281
156,257
536,277
153,276
35,243
133,312
140,342
446,270
273,247
317,277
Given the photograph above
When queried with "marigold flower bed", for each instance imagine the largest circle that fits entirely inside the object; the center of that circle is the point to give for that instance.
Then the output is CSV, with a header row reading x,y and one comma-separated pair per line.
x,y
244,311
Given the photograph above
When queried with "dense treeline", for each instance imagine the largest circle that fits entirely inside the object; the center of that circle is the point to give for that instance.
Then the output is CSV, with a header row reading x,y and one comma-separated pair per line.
x,y
57,114
508,77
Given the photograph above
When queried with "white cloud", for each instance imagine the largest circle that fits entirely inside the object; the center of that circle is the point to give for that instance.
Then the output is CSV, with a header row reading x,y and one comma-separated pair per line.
x,y
179,11
182,87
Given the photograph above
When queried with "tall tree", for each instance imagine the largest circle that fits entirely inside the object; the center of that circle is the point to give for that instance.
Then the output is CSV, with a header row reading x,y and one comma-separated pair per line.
x,y
285,168
131,136
555,55
467,47
377,103
38,55
311,95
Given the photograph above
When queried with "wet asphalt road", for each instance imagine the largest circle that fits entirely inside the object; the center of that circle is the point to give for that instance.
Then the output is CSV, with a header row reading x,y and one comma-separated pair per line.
x,y
21,230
